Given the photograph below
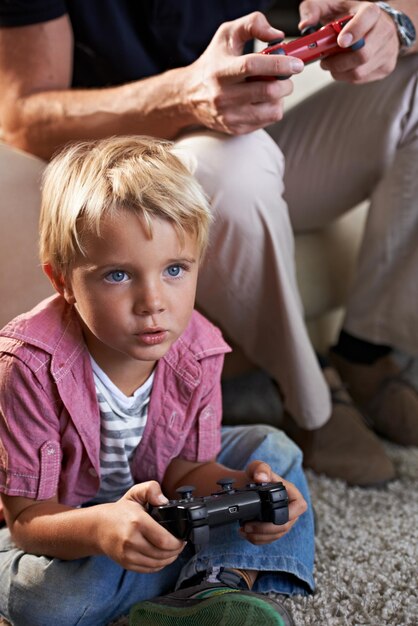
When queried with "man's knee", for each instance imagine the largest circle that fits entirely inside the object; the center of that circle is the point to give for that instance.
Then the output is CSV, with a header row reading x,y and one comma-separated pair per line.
x,y
245,164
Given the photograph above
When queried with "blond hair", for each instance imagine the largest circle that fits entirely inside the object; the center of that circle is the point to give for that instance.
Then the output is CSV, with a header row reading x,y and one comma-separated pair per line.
x,y
90,180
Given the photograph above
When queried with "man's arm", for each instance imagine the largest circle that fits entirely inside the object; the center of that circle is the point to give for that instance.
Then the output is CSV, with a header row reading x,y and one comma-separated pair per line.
x,y
39,111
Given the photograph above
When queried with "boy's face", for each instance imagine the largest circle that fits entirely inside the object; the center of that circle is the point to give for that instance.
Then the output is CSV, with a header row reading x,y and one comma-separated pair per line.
x,y
134,295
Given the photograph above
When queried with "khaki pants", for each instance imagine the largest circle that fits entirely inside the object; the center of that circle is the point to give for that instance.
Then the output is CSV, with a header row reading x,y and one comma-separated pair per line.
x,y
342,145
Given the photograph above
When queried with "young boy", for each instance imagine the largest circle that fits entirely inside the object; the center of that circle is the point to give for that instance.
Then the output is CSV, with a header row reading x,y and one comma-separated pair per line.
x,y
110,401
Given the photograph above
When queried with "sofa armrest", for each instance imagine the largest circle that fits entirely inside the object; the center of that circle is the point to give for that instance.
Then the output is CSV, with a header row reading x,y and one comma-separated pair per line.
x,y
22,284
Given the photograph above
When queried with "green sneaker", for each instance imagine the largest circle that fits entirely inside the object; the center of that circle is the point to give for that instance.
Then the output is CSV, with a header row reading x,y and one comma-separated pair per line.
x,y
210,604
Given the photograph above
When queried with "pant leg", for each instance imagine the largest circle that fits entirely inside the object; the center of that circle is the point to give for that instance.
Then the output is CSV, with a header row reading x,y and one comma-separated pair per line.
x,y
92,591
247,283
382,306
348,143
286,565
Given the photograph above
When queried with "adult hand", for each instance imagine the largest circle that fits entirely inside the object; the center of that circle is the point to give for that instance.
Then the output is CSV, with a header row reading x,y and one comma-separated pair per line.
x,y
260,533
218,94
128,534
376,59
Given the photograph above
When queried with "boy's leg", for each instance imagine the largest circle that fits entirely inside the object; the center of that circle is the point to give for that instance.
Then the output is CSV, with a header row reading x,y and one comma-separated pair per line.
x,y
92,591
286,565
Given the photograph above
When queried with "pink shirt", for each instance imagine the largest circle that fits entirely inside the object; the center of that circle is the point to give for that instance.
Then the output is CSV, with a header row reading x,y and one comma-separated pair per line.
x,y
50,420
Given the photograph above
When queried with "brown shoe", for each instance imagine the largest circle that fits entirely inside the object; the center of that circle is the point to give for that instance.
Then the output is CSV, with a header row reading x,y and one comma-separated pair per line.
x,y
344,447
383,393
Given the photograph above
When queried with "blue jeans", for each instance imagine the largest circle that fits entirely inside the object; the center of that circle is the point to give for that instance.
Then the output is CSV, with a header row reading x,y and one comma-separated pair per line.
x,y
95,590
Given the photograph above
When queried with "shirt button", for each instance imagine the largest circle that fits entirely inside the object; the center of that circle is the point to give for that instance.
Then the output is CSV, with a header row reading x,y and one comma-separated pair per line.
x,y
50,450
92,472
207,413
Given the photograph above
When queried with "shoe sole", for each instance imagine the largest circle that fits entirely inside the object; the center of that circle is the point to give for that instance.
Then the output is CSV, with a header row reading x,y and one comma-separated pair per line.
x,y
220,610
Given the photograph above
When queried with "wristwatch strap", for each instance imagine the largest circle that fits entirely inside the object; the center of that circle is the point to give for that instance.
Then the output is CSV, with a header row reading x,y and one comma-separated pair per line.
x,y
404,26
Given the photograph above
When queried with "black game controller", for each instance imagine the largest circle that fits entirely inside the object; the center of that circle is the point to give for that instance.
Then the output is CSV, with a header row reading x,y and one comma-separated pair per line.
x,y
191,518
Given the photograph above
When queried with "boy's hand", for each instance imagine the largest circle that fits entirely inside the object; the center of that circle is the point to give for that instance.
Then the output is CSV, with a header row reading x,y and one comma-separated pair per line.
x,y
130,536
260,533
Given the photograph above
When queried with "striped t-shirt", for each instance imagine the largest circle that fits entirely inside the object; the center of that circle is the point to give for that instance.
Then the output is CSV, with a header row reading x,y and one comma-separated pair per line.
x,y
122,422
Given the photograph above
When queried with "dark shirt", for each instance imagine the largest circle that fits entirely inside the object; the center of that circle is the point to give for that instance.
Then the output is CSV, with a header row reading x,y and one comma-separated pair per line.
x,y
118,41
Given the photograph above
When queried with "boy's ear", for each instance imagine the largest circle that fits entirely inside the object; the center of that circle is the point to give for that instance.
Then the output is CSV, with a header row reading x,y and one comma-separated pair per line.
x,y
60,284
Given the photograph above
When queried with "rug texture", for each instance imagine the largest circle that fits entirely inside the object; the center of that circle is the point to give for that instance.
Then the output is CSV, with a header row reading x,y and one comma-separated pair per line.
x,y
366,551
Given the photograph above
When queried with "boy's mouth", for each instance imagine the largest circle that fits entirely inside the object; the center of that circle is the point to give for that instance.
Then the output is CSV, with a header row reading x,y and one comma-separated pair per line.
x,y
152,336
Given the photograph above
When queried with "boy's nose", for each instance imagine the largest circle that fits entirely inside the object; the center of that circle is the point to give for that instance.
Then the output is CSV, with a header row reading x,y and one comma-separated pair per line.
x,y
150,302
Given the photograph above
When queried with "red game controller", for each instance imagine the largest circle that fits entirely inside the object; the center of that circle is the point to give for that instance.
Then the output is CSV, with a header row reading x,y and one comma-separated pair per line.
x,y
313,46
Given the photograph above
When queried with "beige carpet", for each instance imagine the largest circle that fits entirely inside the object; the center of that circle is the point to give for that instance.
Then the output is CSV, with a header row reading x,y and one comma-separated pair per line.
x,y
366,551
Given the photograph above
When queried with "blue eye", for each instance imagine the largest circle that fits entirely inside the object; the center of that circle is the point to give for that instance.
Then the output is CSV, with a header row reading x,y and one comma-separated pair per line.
x,y
117,276
174,271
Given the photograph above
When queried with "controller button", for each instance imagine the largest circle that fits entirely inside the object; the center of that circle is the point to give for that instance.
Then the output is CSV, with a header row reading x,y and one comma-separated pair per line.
x,y
356,46
278,496
198,513
278,51
200,535
281,516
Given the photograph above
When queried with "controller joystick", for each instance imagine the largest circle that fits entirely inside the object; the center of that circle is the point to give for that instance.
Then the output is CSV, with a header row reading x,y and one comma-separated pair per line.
x,y
191,518
274,42
308,30
226,484
186,492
